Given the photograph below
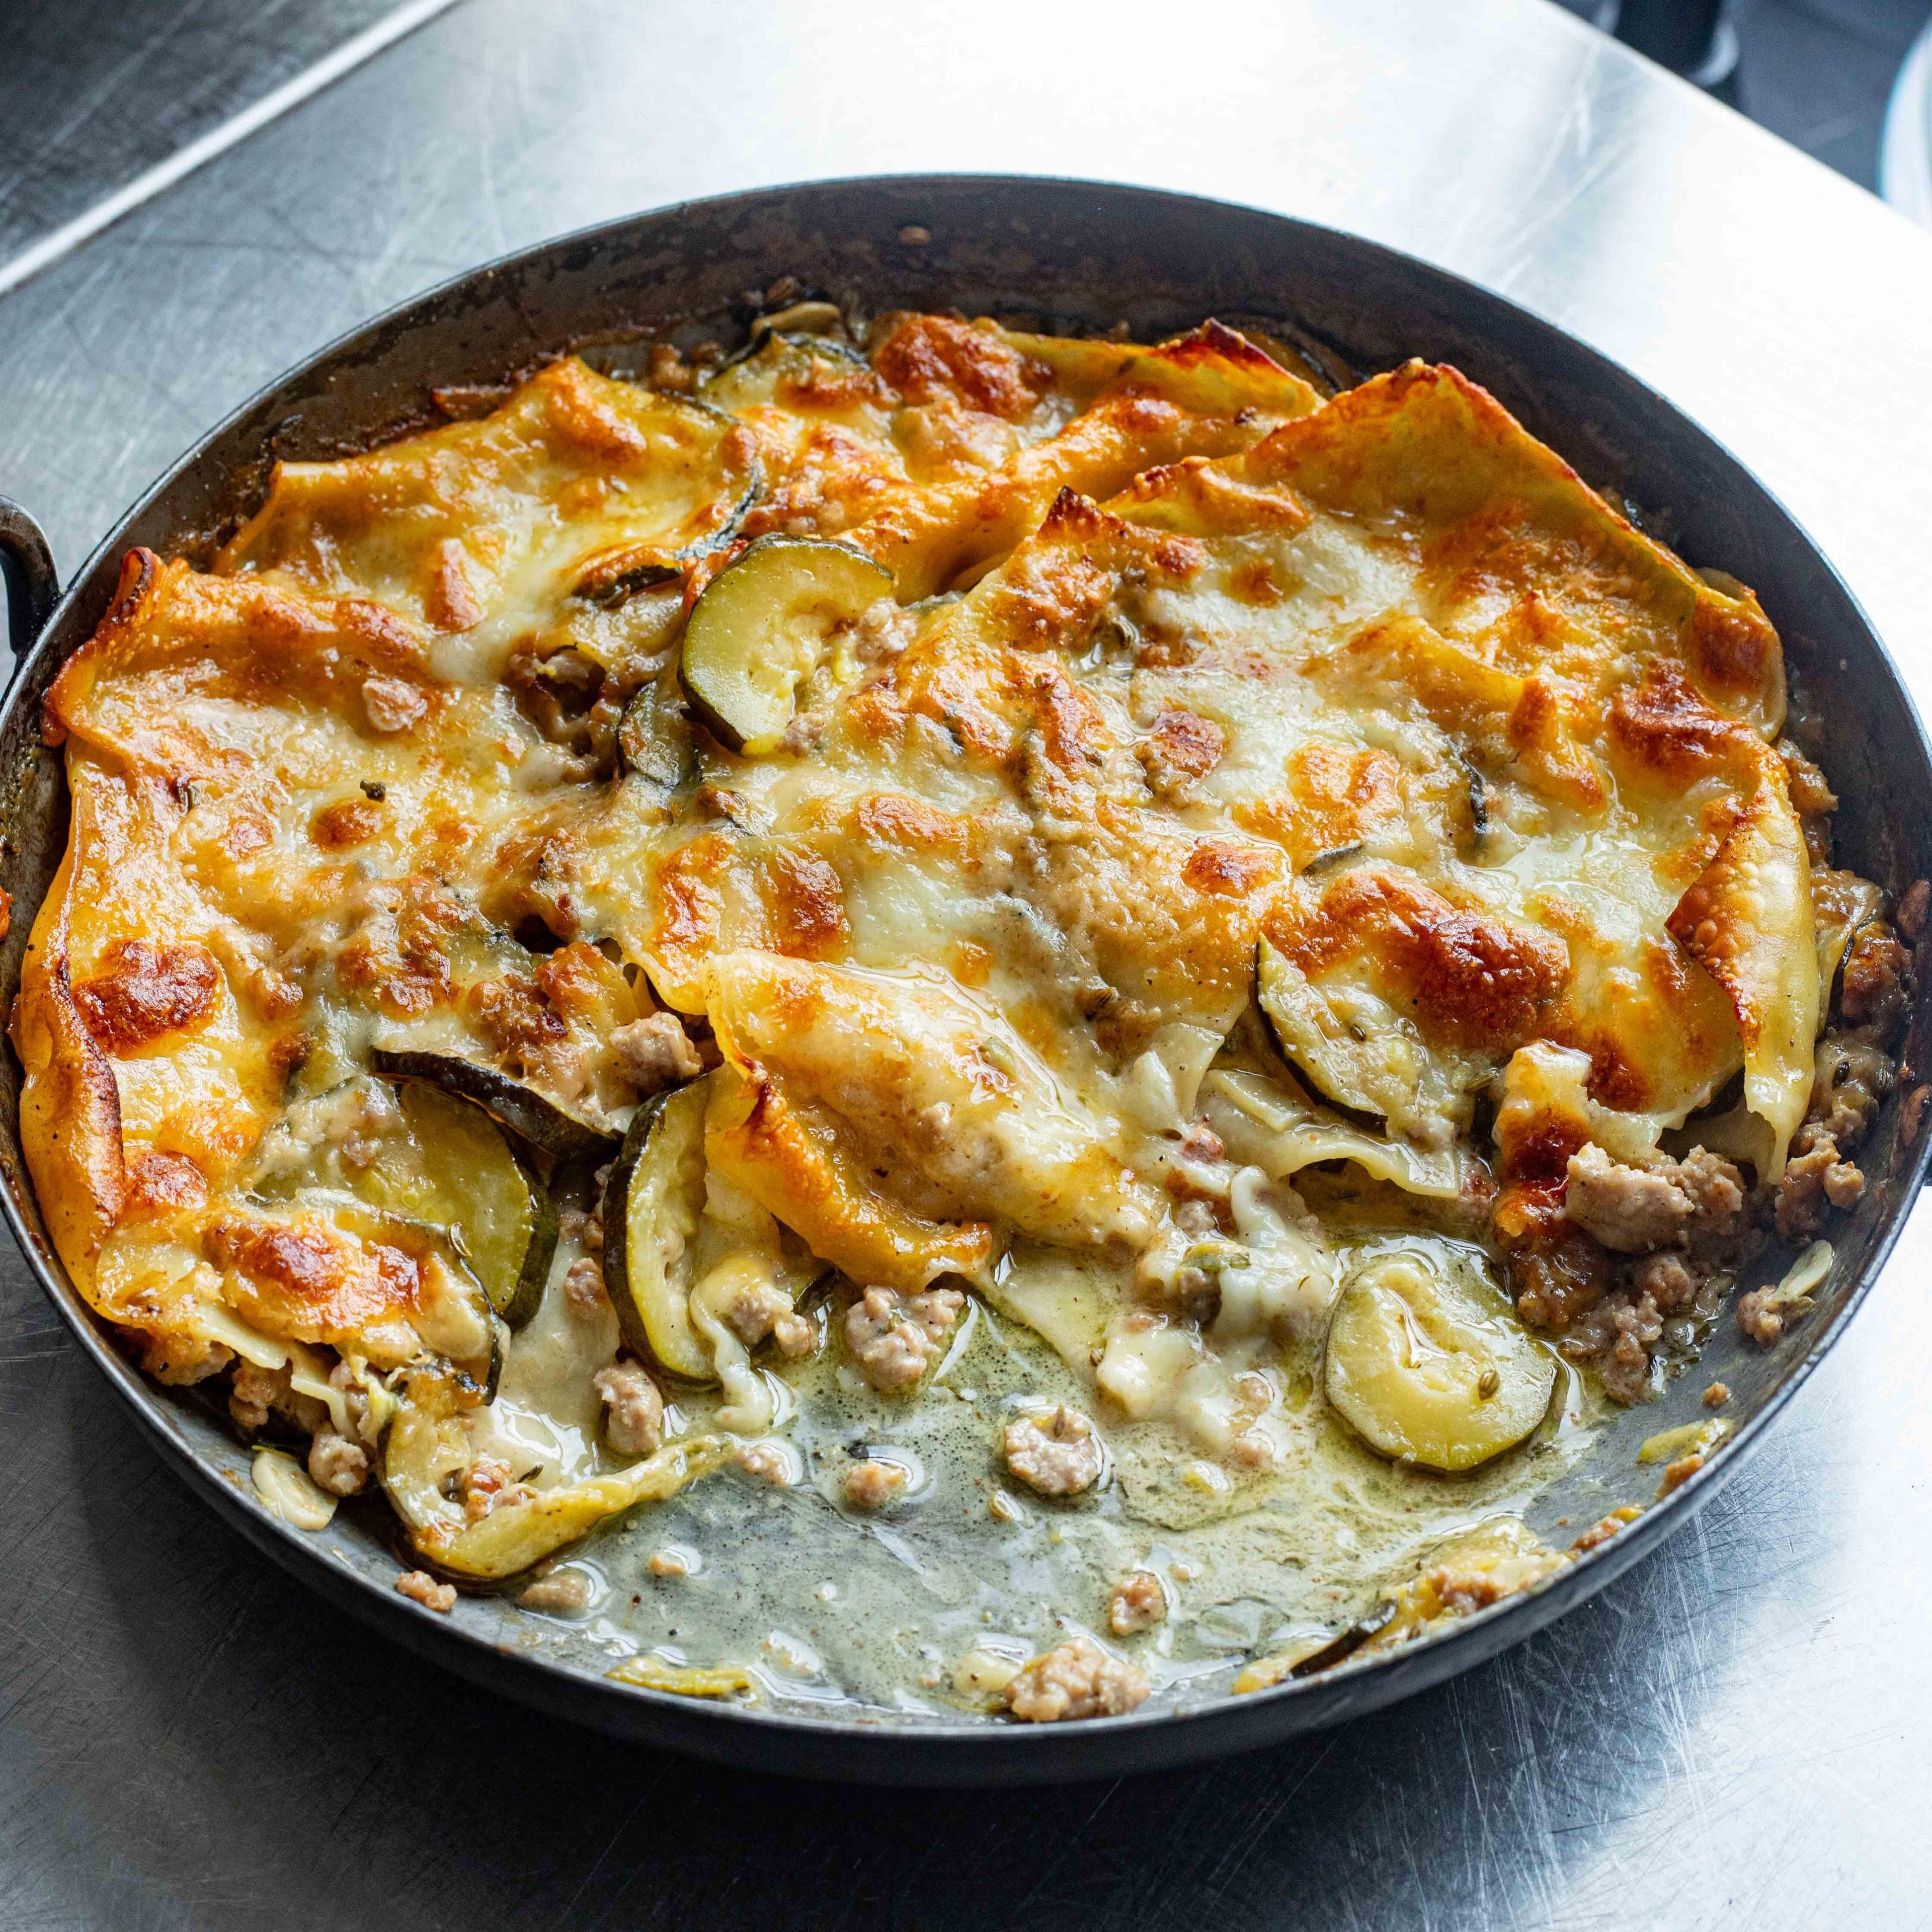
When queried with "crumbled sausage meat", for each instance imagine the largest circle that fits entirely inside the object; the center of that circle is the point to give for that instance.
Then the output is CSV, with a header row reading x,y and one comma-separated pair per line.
x,y
1717,1395
1814,1183
420,1587
1876,987
654,1053
1618,1336
584,1227
871,1484
1664,1279
1760,1317
337,1464
1058,1455
583,1287
633,1409
770,1461
563,1591
392,703
762,1309
1636,1209
1605,1528
489,1483
893,1337
1138,1603
1078,1679
1554,1282
257,1394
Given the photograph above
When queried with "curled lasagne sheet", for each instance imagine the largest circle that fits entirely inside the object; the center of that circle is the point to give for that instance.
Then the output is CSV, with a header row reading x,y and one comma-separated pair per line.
x,y
583,914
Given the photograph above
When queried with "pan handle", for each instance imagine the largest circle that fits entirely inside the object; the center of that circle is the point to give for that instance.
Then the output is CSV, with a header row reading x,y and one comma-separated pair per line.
x,y
27,566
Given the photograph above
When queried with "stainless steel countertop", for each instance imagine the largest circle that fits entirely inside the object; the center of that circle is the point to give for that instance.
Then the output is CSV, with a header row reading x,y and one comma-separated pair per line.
x,y
1739,1733
94,92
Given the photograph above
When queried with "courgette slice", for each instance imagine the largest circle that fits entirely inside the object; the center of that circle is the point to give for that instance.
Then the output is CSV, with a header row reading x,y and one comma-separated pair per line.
x,y
764,625
468,1180
1428,1367
652,1204
654,740
544,1122
1362,1055
613,578
428,1447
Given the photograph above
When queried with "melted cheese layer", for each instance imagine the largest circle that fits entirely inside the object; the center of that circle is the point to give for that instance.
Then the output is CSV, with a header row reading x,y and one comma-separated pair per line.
x,y
1183,659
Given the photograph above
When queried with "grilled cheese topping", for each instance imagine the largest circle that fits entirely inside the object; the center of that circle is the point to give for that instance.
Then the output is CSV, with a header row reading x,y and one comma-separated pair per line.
x,y
1214,781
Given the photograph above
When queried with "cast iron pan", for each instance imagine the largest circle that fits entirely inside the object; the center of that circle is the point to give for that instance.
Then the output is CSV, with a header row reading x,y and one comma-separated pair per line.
x,y
1076,256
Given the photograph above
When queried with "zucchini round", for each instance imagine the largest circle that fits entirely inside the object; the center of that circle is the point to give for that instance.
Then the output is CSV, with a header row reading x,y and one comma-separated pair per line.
x,y
427,1445
652,1203
654,740
1429,1367
468,1180
544,1122
764,625
614,578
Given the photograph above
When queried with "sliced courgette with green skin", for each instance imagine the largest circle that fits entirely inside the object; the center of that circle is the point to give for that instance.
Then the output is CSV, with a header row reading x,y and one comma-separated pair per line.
x,y
427,1448
1353,1073
538,1120
1362,1054
613,579
470,1181
1428,1367
654,740
764,625
455,1169
652,1203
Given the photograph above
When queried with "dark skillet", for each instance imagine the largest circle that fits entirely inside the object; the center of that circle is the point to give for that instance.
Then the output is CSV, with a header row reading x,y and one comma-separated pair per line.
x,y
1076,256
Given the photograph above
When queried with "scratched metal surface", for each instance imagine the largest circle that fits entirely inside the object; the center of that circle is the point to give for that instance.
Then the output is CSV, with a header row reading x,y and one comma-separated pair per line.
x,y
93,91
1741,1732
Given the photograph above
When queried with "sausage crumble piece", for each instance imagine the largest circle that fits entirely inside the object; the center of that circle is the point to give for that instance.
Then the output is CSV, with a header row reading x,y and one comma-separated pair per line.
x,y
420,1587
1633,1209
655,1053
633,1409
1078,1679
760,1309
337,1464
894,1337
871,1484
1138,1603
565,1592
1057,1455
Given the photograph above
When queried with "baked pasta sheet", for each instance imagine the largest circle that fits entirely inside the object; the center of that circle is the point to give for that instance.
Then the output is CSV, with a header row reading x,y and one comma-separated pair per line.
x,y
1221,965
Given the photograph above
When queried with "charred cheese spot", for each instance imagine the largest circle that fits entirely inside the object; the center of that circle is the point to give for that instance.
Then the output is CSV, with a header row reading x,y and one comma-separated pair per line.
x,y
1230,871
926,356
162,1183
324,1276
1472,979
1663,731
1338,796
141,993
397,957
349,822
807,904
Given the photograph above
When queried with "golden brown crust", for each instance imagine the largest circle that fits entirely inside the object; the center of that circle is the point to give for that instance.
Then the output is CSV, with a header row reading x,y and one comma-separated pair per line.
x,y
1225,661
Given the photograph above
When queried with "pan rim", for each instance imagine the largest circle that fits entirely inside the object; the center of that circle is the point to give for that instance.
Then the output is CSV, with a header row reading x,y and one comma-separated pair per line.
x,y
982,1751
